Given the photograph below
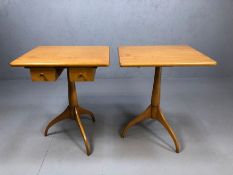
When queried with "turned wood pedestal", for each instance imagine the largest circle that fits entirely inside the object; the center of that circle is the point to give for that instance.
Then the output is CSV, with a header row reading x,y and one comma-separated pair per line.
x,y
73,112
153,111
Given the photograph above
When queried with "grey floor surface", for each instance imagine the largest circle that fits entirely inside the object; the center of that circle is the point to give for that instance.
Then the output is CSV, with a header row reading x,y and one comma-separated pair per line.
x,y
199,110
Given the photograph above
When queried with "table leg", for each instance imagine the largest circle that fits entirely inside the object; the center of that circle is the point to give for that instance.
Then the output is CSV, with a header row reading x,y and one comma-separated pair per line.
x,y
73,111
64,115
79,123
82,111
144,115
153,111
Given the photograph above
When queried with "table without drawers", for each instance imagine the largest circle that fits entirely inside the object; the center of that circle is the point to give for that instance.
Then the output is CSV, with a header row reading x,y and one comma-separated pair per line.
x,y
158,57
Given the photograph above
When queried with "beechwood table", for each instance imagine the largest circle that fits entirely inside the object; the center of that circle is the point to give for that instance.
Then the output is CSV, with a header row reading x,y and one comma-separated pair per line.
x,y
158,57
46,63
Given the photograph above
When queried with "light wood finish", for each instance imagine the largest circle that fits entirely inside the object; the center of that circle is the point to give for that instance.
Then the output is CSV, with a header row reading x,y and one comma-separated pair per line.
x,y
153,111
45,74
73,111
64,56
47,62
178,55
82,74
159,56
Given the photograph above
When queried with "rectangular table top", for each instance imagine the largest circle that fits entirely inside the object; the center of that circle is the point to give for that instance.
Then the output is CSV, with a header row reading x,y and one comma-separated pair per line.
x,y
64,56
177,55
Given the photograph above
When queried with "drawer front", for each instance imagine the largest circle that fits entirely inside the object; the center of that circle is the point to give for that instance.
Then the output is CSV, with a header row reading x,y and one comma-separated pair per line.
x,y
45,74
82,74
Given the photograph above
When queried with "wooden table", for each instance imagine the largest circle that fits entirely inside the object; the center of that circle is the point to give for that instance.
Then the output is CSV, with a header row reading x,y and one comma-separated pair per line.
x,y
46,63
158,57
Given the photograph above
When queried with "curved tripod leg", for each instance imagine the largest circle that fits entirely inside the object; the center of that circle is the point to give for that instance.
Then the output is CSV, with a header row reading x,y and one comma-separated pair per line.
x,y
85,111
144,115
163,121
78,121
64,115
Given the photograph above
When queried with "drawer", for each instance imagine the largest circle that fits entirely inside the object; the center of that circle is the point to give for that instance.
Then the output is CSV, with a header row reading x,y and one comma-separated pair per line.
x,y
82,74
45,74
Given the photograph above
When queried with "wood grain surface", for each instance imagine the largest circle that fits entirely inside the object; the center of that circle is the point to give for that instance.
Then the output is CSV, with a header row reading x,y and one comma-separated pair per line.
x,y
177,55
64,56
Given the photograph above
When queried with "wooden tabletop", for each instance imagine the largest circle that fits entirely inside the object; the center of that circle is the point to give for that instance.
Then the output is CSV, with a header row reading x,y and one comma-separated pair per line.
x,y
64,56
177,55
